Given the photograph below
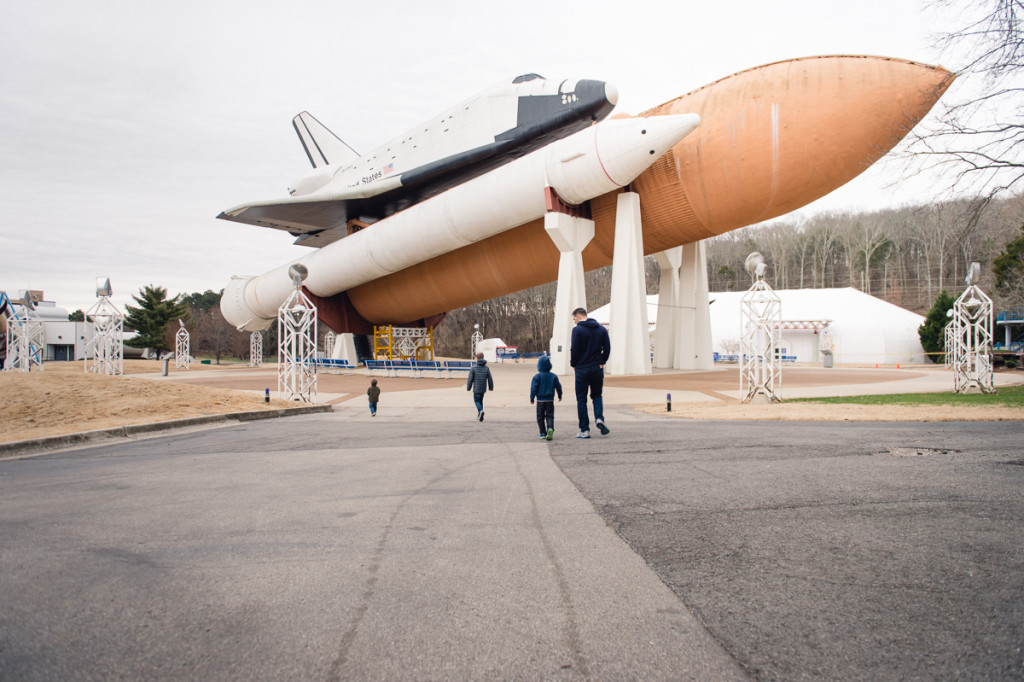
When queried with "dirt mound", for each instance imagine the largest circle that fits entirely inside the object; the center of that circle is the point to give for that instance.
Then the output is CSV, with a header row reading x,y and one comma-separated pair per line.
x,y
63,399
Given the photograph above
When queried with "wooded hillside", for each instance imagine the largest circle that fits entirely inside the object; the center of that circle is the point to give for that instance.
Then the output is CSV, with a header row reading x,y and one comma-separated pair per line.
x,y
905,256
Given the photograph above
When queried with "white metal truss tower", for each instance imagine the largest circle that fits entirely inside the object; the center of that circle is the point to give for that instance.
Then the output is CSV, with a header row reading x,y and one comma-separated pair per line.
x,y
760,327
182,348
329,340
474,343
26,337
415,343
256,349
296,345
972,338
948,341
104,336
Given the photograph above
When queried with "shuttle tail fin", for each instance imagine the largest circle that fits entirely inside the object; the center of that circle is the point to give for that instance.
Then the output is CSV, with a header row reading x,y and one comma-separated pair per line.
x,y
3,311
322,146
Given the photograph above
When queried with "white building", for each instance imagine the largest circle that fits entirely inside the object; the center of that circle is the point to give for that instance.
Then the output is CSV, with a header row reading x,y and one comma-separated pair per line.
x,y
863,329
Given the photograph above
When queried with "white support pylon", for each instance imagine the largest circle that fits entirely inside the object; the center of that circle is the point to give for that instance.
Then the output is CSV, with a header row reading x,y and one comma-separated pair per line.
x,y
667,325
570,235
345,348
628,326
693,349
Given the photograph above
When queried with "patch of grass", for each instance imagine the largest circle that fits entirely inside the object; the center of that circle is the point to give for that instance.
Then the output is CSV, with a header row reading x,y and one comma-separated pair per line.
x,y
1009,396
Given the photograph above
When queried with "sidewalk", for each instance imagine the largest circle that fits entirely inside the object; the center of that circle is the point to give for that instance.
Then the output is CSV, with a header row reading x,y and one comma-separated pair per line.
x,y
512,384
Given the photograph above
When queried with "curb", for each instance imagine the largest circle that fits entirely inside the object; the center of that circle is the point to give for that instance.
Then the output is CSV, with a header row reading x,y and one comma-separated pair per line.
x,y
32,445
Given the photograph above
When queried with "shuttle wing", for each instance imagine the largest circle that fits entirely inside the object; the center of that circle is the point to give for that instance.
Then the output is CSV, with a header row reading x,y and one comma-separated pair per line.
x,y
319,218
313,223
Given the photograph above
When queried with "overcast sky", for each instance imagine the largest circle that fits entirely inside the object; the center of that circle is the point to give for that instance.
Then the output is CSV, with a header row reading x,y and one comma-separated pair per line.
x,y
126,127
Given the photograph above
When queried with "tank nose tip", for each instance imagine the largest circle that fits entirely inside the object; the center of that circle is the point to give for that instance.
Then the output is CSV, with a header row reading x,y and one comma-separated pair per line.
x,y
611,93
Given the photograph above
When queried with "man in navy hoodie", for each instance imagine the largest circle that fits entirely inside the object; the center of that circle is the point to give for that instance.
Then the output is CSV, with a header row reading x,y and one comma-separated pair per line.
x,y
587,355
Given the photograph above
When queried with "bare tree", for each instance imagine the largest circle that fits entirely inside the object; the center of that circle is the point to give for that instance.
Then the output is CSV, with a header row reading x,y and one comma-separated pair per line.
x,y
803,245
980,137
778,240
863,236
824,240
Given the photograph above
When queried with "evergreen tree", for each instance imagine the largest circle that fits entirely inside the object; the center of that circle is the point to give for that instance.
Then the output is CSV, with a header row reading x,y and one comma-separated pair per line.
x,y
727,276
204,301
933,331
77,316
1008,267
151,318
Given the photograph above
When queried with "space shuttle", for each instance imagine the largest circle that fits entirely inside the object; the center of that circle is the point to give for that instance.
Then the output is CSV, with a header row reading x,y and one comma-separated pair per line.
x,y
346,192
452,212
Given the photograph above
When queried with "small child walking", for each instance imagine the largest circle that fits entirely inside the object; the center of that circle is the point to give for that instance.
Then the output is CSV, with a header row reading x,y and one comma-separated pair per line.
x,y
374,393
543,387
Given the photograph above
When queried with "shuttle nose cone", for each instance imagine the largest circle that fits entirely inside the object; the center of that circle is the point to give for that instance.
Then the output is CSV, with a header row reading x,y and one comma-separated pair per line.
x,y
611,93
596,98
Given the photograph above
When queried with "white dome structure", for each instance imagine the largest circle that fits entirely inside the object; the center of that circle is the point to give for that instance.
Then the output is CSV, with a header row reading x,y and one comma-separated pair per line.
x,y
862,329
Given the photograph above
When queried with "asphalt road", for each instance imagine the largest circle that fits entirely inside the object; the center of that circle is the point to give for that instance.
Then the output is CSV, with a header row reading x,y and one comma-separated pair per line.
x,y
328,547
842,551
425,545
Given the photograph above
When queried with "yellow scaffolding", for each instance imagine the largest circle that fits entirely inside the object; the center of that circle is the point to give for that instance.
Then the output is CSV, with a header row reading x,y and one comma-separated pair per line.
x,y
383,343
403,343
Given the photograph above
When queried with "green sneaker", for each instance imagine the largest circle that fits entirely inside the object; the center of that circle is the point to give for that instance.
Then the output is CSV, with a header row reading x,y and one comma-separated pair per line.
x,y
550,434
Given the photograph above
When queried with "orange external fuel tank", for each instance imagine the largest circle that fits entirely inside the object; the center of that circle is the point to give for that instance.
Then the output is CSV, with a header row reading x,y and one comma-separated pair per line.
x,y
772,139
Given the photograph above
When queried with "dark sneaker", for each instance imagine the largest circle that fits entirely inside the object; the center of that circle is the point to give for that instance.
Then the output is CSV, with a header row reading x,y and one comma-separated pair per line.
x,y
544,435
549,435
481,416
601,427
583,434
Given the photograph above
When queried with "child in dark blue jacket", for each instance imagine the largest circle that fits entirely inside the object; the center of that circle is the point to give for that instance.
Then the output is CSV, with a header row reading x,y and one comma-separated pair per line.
x,y
544,386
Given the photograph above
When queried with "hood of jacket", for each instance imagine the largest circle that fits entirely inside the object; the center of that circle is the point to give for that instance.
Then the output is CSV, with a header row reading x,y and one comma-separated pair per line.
x,y
481,361
544,364
590,322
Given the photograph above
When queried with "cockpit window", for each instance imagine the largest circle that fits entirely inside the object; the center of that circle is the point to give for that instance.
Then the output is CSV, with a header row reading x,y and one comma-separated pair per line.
x,y
527,77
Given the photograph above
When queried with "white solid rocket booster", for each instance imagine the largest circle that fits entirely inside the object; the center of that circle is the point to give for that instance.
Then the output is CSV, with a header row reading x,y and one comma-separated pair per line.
x,y
587,164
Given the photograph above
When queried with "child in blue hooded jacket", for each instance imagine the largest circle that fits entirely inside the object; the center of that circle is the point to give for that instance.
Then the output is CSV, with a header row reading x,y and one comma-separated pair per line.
x,y
544,386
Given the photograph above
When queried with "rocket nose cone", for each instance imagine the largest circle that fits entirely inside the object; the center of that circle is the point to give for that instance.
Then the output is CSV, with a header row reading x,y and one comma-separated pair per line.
x,y
611,93
627,147
664,131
